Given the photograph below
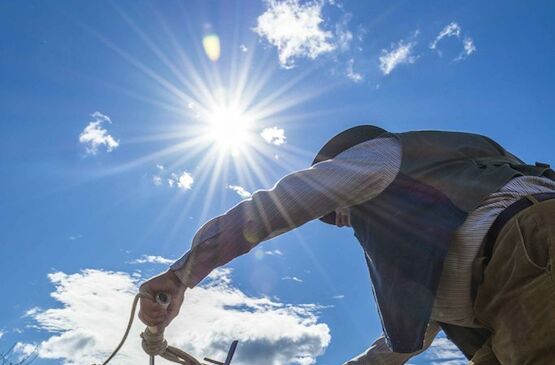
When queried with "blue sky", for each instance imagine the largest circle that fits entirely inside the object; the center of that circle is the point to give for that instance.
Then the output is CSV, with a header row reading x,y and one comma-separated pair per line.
x,y
114,150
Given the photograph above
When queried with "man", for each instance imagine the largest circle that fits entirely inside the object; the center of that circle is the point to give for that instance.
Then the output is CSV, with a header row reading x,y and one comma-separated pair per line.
x,y
421,205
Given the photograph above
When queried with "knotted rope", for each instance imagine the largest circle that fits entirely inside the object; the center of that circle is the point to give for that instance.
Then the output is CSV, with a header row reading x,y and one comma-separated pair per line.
x,y
154,344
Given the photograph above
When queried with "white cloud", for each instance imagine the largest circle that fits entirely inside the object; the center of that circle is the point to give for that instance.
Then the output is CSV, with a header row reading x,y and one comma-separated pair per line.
x,y
27,351
292,278
450,30
94,135
400,53
157,180
468,49
295,29
243,48
343,36
94,305
454,30
444,352
149,259
2,333
183,180
351,74
274,253
340,296
241,191
274,135
160,167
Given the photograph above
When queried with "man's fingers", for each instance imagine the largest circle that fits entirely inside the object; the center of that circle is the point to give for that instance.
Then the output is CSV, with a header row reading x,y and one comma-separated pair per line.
x,y
152,308
152,313
152,320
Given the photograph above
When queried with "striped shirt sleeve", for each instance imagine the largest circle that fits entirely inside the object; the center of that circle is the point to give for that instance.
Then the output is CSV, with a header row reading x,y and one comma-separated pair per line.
x,y
354,176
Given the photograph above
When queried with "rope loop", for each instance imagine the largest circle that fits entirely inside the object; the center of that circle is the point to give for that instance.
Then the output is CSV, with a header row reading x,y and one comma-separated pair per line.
x,y
153,344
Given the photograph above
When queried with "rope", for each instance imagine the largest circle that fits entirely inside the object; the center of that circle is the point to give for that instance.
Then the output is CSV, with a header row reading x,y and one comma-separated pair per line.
x,y
153,344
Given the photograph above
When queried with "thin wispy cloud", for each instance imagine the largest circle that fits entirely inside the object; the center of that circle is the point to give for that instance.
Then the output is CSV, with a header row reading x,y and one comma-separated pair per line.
x,y
241,191
340,296
454,30
157,180
468,49
93,307
295,29
450,30
2,333
273,253
398,54
274,135
149,259
292,278
95,135
343,36
351,74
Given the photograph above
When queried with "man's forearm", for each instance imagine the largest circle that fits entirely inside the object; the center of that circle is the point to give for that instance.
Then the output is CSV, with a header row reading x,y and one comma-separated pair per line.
x,y
356,175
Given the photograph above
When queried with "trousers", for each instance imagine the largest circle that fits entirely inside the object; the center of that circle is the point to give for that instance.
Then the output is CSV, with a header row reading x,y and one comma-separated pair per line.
x,y
516,300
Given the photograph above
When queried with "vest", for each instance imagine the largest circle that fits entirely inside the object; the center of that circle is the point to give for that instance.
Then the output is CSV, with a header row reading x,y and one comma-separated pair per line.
x,y
406,230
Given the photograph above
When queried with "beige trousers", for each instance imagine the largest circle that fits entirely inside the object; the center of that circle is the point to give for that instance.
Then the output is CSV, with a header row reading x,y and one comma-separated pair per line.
x,y
516,300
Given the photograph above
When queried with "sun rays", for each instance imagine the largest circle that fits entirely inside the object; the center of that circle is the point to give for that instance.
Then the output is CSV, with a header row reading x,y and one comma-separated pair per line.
x,y
222,98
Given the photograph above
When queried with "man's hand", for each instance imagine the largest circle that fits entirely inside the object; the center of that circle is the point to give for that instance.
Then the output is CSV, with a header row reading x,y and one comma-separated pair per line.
x,y
153,314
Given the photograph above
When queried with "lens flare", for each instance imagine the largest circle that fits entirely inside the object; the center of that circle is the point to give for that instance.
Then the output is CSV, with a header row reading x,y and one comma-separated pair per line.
x,y
211,44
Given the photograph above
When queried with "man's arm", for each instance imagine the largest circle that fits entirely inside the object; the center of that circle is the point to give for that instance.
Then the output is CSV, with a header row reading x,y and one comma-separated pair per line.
x,y
380,354
356,175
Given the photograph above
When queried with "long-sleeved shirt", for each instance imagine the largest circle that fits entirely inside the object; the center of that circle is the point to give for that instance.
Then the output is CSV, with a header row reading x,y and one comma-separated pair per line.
x,y
354,176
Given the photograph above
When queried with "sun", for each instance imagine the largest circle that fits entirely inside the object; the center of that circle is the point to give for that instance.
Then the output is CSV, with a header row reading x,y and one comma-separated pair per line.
x,y
229,129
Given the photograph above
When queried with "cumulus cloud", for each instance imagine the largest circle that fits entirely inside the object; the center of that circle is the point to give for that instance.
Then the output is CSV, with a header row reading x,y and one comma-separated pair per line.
x,y
450,30
94,305
241,191
295,29
400,53
149,259
183,180
274,135
95,135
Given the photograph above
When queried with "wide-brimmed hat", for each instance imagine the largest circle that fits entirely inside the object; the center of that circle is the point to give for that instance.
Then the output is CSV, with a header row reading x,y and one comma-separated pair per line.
x,y
341,142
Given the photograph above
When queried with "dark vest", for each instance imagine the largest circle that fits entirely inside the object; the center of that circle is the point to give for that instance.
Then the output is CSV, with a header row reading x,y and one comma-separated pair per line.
x,y
406,230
